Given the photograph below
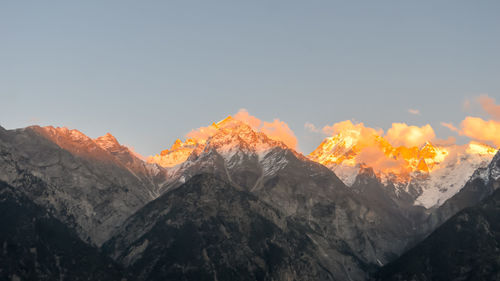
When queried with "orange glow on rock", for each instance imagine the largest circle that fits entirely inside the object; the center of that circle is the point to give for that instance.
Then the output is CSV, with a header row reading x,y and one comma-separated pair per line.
x,y
180,151
481,149
356,145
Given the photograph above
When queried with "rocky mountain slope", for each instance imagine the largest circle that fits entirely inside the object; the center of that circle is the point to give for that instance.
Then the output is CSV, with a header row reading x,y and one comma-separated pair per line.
x,y
234,205
482,184
427,175
90,185
207,229
37,246
418,180
466,247
302,189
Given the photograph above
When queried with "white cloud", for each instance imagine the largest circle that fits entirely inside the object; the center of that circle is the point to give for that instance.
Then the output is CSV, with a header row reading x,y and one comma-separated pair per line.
x,y
450,126
414,111
311,127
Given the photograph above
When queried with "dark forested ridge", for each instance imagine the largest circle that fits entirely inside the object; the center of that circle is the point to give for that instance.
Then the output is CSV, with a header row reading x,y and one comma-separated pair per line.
x,y
466,247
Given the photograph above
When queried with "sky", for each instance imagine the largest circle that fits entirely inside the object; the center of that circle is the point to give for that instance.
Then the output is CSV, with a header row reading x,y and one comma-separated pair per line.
x,y
149,72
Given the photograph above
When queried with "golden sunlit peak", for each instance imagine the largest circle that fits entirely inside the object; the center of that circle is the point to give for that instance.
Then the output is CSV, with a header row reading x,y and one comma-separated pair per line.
x,y
422,166
432,153
178,153
480,148
355,145
348,137
406,152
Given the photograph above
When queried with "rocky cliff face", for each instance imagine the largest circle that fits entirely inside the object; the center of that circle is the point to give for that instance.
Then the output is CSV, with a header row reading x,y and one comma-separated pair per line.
x,y
424,176
305,191
465,244
260,210
207,229
300,188
466,247
482,184
37,246
90,188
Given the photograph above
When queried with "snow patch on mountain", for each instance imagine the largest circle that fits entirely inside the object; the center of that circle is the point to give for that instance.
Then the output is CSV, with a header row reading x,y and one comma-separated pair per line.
x,y
239,147
430,188
491,172
346,173
445,182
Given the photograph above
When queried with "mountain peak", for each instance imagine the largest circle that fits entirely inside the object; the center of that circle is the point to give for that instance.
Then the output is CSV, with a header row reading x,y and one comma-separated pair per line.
x,y
422,166
226,136
350,148
62,136
234,134
108,136
480,148
108,141
178,153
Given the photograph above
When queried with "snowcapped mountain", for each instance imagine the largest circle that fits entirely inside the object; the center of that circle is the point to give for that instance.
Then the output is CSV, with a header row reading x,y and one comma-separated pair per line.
x,y
452,174
109,195
481,184
491,174
234,151
465,244
226,137
177,154
429,175
300,188
382,212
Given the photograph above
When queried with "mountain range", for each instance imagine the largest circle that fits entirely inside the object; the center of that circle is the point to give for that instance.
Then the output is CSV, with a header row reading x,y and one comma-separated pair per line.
x,y
237,204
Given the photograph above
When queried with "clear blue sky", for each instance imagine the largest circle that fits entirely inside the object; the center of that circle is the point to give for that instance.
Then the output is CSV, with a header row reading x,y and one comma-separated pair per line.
x,y
150,71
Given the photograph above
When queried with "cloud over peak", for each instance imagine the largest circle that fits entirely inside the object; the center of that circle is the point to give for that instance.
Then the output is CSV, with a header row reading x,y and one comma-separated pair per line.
x,y
477,128
276,130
